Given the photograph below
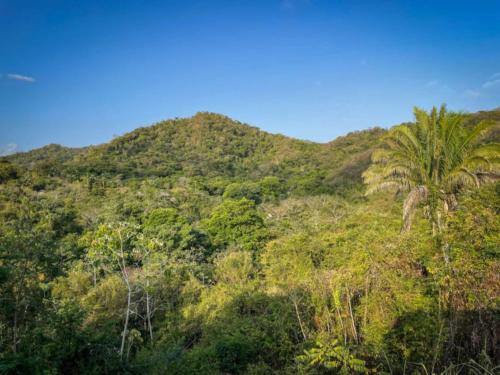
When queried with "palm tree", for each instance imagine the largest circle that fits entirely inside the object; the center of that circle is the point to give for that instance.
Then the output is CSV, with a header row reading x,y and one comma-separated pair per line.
x,y
433,160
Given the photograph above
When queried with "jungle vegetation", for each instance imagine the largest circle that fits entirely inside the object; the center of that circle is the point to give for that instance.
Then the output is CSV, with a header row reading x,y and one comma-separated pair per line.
x,y
206,246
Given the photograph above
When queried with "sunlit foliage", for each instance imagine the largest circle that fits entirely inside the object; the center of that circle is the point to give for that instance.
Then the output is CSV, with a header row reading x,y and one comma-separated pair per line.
x,y
204,246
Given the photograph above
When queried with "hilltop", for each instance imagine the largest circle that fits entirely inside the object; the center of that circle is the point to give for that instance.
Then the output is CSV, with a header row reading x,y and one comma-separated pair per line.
x,y
210,145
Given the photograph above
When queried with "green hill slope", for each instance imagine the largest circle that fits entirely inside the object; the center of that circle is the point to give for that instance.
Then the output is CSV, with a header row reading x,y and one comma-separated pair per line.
x,y
210,145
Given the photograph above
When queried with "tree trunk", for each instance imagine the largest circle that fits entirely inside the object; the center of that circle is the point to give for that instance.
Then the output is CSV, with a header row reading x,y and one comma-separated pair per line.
x,y
14,331
299,318
129,295
94,275
148,316
354,331
444,248
341,324
127,315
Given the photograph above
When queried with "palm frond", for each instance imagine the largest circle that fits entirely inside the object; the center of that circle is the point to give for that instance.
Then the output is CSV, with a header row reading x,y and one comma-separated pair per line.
x,y
477,132
415,196
436,153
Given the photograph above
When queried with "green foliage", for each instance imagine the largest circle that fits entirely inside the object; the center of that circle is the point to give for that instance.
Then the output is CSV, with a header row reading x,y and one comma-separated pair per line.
x,y
214,149
475,225
236,223
249,190
204,246
233,355
111,245
417,337
433,160
7,171
272,188
332,356
164,230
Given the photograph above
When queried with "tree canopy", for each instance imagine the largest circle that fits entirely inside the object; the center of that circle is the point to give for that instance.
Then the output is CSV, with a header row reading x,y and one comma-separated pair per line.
x,y
205,246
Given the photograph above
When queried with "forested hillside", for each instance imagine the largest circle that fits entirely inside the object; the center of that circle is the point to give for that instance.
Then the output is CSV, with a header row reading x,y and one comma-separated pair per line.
x,y
206,246
207,146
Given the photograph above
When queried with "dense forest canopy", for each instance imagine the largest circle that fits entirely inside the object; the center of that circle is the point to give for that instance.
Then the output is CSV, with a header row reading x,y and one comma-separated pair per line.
x,y
205,246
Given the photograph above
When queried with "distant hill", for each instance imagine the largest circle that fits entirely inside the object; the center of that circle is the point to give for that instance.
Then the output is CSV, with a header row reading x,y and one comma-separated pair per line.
x,y
48,159
210,145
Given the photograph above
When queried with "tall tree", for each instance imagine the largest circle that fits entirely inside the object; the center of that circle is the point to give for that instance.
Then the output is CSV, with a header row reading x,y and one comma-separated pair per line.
x,y
433,160
111,247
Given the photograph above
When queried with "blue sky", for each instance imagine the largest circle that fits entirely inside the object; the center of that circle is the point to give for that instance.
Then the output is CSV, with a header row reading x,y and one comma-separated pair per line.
x,y
80,72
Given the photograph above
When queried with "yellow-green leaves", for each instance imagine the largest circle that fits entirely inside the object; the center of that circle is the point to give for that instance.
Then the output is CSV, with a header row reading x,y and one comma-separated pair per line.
x,y
436,154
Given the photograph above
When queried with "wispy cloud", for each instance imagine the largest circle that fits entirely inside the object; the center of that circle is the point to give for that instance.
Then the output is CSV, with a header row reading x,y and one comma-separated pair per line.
x,y
20,77
438,86
491,83
484,89
472,93
8,149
